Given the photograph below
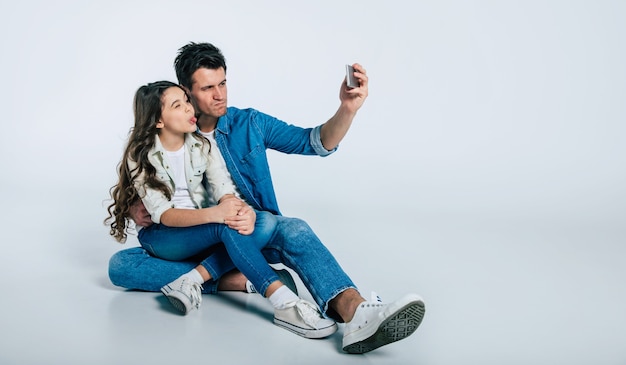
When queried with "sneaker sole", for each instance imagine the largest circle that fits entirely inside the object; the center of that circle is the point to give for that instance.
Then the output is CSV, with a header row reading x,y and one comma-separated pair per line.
x,y
177,303
305,332
396,327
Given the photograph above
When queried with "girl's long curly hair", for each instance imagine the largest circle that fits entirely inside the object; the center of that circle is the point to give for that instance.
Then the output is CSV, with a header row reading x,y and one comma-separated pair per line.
x,y
147,106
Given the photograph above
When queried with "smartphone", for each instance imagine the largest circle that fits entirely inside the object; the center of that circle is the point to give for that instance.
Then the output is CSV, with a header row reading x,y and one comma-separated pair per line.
x,y
350,79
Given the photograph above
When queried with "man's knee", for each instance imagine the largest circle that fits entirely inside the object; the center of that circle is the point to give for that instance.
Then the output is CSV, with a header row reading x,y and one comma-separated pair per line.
x,y
295,236
122,261
293,227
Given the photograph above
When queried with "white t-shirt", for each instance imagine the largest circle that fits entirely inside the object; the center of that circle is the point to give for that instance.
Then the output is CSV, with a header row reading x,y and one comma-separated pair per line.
x,y
222,181
181,198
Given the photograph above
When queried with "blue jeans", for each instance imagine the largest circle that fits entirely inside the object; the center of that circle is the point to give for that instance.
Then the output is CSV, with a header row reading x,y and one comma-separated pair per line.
x,y
182,243
294,244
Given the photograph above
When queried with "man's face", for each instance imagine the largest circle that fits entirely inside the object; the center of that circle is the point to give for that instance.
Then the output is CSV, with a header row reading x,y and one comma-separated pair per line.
x,y
208,89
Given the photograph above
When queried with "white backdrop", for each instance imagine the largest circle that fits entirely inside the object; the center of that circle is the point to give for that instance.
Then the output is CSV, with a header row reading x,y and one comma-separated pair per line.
x,y
486,170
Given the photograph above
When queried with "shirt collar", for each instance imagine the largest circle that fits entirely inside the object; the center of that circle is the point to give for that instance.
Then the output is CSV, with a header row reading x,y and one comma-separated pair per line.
x,y
224,123
190,142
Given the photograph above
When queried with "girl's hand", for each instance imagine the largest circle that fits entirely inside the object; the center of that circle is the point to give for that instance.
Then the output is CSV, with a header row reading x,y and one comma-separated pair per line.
x,y
243,221
229,206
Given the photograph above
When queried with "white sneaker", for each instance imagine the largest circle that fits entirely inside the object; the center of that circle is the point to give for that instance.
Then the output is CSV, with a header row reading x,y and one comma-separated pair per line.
x,y
184,294
303,318
376,324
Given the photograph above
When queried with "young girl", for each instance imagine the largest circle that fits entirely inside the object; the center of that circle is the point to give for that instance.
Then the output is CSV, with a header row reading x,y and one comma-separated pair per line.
x,y
166,165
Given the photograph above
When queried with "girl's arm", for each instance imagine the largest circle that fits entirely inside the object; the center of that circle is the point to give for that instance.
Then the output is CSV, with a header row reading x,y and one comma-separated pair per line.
x,y
175,217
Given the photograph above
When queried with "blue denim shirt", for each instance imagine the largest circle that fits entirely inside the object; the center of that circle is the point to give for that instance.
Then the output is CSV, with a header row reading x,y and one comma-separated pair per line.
x,y
243,137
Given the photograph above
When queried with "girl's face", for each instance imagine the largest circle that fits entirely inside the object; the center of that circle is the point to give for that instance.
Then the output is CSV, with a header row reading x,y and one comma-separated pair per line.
x,y
177,114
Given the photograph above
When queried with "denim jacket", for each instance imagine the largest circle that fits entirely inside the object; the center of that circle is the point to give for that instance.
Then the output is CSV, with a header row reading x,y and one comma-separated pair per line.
x,y
196,163
243,137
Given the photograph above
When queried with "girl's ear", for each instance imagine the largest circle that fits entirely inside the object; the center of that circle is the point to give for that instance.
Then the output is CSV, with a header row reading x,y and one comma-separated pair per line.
x,y
160,124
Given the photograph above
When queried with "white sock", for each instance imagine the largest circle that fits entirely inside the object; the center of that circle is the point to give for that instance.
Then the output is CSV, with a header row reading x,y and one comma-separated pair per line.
x,y
250,288
194,275
282,296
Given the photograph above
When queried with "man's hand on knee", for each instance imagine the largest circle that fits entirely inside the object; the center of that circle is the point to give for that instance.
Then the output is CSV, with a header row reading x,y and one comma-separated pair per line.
x,y
139,214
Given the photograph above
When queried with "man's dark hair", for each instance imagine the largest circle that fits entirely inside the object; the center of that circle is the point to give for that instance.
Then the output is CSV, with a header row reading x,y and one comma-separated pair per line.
x,y
193,56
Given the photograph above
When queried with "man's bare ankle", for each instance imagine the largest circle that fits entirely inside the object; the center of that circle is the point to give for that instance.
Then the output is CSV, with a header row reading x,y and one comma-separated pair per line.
x,y
232,281
346,303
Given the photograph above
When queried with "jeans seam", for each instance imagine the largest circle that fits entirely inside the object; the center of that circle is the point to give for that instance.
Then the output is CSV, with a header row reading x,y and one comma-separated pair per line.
x,y
265,281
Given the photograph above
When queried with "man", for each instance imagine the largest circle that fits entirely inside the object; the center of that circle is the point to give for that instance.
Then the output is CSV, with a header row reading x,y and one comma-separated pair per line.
x,y
242,137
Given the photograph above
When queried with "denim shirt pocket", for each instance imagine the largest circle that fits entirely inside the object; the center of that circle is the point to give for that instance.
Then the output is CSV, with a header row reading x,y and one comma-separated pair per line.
x,y
255,162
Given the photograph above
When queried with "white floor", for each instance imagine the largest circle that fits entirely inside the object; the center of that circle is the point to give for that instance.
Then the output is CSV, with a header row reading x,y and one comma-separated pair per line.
x,y
498,291
485,172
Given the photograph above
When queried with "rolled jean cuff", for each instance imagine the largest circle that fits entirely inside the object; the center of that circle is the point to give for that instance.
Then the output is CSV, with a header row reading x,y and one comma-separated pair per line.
x,y
210,287
214,275
330,312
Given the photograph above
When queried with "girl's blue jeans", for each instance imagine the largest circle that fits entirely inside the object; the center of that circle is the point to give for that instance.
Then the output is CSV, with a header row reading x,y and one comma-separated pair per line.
x,y
293,244
183,243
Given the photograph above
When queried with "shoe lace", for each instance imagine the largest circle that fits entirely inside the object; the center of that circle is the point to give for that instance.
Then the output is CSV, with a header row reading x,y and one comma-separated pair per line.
x,y
374,305
310,315
195,292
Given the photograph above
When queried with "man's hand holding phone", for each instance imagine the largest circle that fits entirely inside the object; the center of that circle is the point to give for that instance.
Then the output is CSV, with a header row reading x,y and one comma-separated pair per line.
x,y
351,81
